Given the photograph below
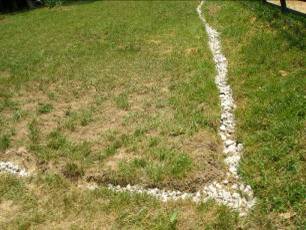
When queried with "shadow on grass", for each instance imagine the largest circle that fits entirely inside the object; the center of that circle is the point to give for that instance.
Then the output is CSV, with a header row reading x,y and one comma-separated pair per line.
x,y
65,3
291,26
79,2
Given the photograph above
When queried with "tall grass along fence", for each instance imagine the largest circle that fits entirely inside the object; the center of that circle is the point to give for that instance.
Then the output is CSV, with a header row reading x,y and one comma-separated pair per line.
x,y
15,5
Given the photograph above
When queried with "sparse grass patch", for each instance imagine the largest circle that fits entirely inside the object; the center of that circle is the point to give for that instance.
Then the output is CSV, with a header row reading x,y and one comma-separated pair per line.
x,y
12,188
115,144
73,171
181,165
71,121
111,149
64,147
57,140
74,119
51,95
7,102
153,141
33,131
86,117
80,151
140,163
18,114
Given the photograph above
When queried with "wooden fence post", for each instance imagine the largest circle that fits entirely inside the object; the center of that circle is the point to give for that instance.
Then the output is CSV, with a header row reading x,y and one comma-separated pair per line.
x,y
283,5
29,4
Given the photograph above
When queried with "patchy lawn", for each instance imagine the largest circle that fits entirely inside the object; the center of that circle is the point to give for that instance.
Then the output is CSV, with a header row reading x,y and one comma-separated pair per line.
x,y
124,92
119,92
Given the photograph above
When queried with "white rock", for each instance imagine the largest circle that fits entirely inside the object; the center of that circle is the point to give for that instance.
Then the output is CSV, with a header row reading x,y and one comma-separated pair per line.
x,y
229,142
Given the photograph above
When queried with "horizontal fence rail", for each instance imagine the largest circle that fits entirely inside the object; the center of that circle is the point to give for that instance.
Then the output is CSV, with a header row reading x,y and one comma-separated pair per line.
x,y
285,6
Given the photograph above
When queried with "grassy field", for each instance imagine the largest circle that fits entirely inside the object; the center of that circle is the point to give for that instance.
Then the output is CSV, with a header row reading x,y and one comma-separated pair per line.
x,y
117,96
266,52
119,92
124,92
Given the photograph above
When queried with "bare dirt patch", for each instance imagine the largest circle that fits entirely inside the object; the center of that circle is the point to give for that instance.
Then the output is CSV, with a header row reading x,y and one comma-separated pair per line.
x,y
191,51
113,162
155,42
8,210
148,111
61,100
4,74
213,9
105,118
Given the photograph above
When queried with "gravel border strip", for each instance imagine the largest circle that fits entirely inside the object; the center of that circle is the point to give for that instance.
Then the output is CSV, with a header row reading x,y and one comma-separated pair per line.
x,y
232,149
9,167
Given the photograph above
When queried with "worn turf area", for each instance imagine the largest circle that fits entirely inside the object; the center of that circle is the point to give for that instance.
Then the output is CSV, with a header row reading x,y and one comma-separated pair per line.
x,y
119,92
127,95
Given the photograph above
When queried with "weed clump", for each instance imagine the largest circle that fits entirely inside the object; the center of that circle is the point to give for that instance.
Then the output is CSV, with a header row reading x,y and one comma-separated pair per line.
x,y
4,142
53,3
122,102
56,140
73,171
33,131
86,117
45,108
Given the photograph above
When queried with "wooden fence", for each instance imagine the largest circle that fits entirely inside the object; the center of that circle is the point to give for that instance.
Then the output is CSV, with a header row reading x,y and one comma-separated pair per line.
x,y
286,5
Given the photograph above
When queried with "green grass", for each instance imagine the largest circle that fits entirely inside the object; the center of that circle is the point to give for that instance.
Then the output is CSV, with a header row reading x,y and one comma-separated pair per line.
x,y
45,108
131,77
64,204
4,142
125,91
73,171
122,101
266,53
159,166
33,130
112,89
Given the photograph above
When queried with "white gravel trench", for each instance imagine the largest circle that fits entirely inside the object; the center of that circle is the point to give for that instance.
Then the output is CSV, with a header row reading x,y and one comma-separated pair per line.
x,y
235,195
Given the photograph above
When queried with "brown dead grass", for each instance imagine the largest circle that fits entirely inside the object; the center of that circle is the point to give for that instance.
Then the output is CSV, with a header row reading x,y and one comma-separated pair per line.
x,y
106,118
8,211
191,51
98,221
155,42
188,216
147,101
214,9
113,162
30,98
203,147
4,74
